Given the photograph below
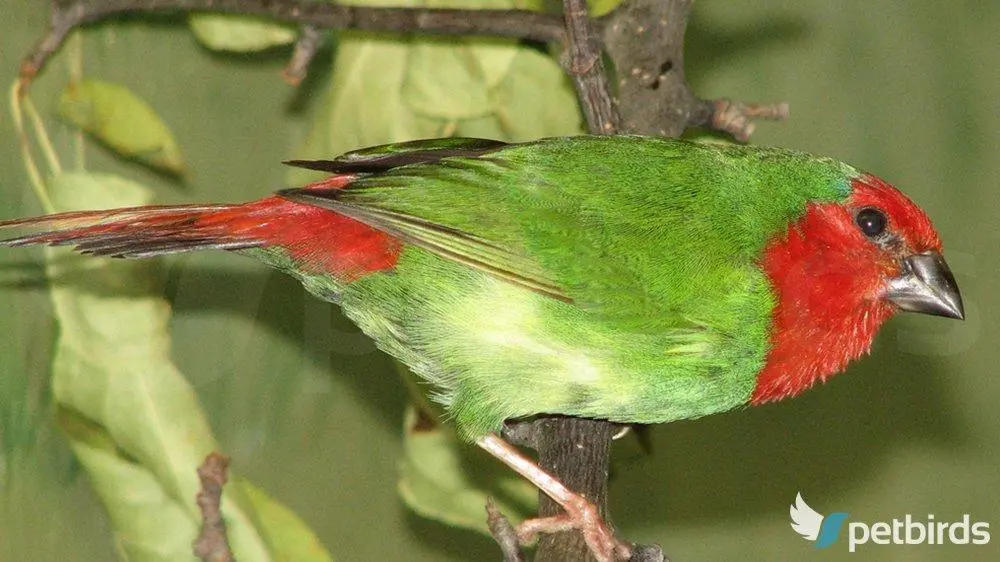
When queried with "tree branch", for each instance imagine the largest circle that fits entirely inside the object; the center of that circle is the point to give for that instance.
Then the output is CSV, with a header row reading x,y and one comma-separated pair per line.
x,y
586,65
576,451
503,532
736,118
645,38
519,24
308,44
212,544
650,84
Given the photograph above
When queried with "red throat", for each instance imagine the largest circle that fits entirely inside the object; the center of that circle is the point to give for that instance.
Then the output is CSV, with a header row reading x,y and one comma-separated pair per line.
x,y
828,279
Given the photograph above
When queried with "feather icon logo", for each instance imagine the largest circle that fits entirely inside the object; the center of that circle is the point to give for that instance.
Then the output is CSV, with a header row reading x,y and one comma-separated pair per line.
x,y
812,525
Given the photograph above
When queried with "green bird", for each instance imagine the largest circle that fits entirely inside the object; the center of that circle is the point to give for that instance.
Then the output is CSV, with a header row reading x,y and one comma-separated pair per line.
x,y
628,278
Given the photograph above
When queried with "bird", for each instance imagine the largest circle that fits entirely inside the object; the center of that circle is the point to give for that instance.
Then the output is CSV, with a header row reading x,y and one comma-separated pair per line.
x,y
629,278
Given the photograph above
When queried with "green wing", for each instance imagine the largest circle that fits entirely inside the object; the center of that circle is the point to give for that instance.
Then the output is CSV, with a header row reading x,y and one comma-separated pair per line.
x,y
451,243
464,247
636,229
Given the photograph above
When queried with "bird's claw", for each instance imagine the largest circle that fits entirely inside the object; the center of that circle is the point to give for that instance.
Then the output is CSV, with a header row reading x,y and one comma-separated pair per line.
x,y
583,516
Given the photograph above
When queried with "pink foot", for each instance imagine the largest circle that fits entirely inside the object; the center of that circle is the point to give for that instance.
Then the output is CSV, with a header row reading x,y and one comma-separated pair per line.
x,y
580,514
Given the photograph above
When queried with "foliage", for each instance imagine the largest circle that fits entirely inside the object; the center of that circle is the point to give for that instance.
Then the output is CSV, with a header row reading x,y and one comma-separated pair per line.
x,y
131,418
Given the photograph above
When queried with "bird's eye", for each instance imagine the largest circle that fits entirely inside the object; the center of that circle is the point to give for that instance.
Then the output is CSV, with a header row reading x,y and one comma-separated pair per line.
x,y
871,221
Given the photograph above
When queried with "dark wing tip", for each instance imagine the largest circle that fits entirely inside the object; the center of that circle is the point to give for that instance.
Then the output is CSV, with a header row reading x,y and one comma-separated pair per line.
x,y
331,166
309,196
383,158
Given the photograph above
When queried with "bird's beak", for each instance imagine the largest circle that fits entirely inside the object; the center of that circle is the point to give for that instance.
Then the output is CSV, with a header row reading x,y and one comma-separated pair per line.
x,y
926,285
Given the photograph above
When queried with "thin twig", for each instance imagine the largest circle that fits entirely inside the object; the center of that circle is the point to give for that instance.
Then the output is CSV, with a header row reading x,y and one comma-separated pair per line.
x,y
586,66
736,118
212,544
519,24
309,42
503,532
35,178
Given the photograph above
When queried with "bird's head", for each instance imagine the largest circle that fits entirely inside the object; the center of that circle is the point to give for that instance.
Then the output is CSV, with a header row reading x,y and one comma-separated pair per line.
x,y
840,272
896,236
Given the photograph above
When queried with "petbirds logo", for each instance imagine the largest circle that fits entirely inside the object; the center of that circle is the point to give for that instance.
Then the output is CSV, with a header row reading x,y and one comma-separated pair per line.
x,y
807,522
825,530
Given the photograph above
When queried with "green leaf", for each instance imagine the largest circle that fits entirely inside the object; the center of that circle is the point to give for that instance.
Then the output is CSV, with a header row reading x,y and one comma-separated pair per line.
x,y
598,8
364,104
535,99
123,121
391,89
444,80
241,34
445,479
288,537
149,523
131,416
484,128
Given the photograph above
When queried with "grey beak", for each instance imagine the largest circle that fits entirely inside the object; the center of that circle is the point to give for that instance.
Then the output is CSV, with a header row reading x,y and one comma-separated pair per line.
x,y
926,285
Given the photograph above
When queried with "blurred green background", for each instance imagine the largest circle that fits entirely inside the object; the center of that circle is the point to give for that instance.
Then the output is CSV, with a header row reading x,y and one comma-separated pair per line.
x,y
311,413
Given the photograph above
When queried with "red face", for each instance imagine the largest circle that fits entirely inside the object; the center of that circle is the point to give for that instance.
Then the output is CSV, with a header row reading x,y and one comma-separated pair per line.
x,y
839,273
914,275
890,229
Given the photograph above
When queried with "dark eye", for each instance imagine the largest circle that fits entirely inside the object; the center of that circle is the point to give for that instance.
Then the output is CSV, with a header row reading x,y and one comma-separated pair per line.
x,y
871,221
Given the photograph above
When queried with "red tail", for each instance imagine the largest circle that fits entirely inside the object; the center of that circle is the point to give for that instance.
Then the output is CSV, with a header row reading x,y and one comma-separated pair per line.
x,y
319,240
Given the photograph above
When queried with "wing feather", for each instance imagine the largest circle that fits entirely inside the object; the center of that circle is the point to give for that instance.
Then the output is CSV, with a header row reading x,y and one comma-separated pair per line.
x,y
386,157
447,242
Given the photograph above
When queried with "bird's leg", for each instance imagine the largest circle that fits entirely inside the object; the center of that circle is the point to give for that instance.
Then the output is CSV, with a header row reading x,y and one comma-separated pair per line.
x,y
580,514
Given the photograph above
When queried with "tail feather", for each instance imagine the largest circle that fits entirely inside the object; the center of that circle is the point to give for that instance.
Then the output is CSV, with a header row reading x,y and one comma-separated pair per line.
x,y
317,240
126,247
136,232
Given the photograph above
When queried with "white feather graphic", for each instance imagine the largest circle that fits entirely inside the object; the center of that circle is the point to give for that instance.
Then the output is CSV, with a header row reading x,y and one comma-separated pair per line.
x,y
805,520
